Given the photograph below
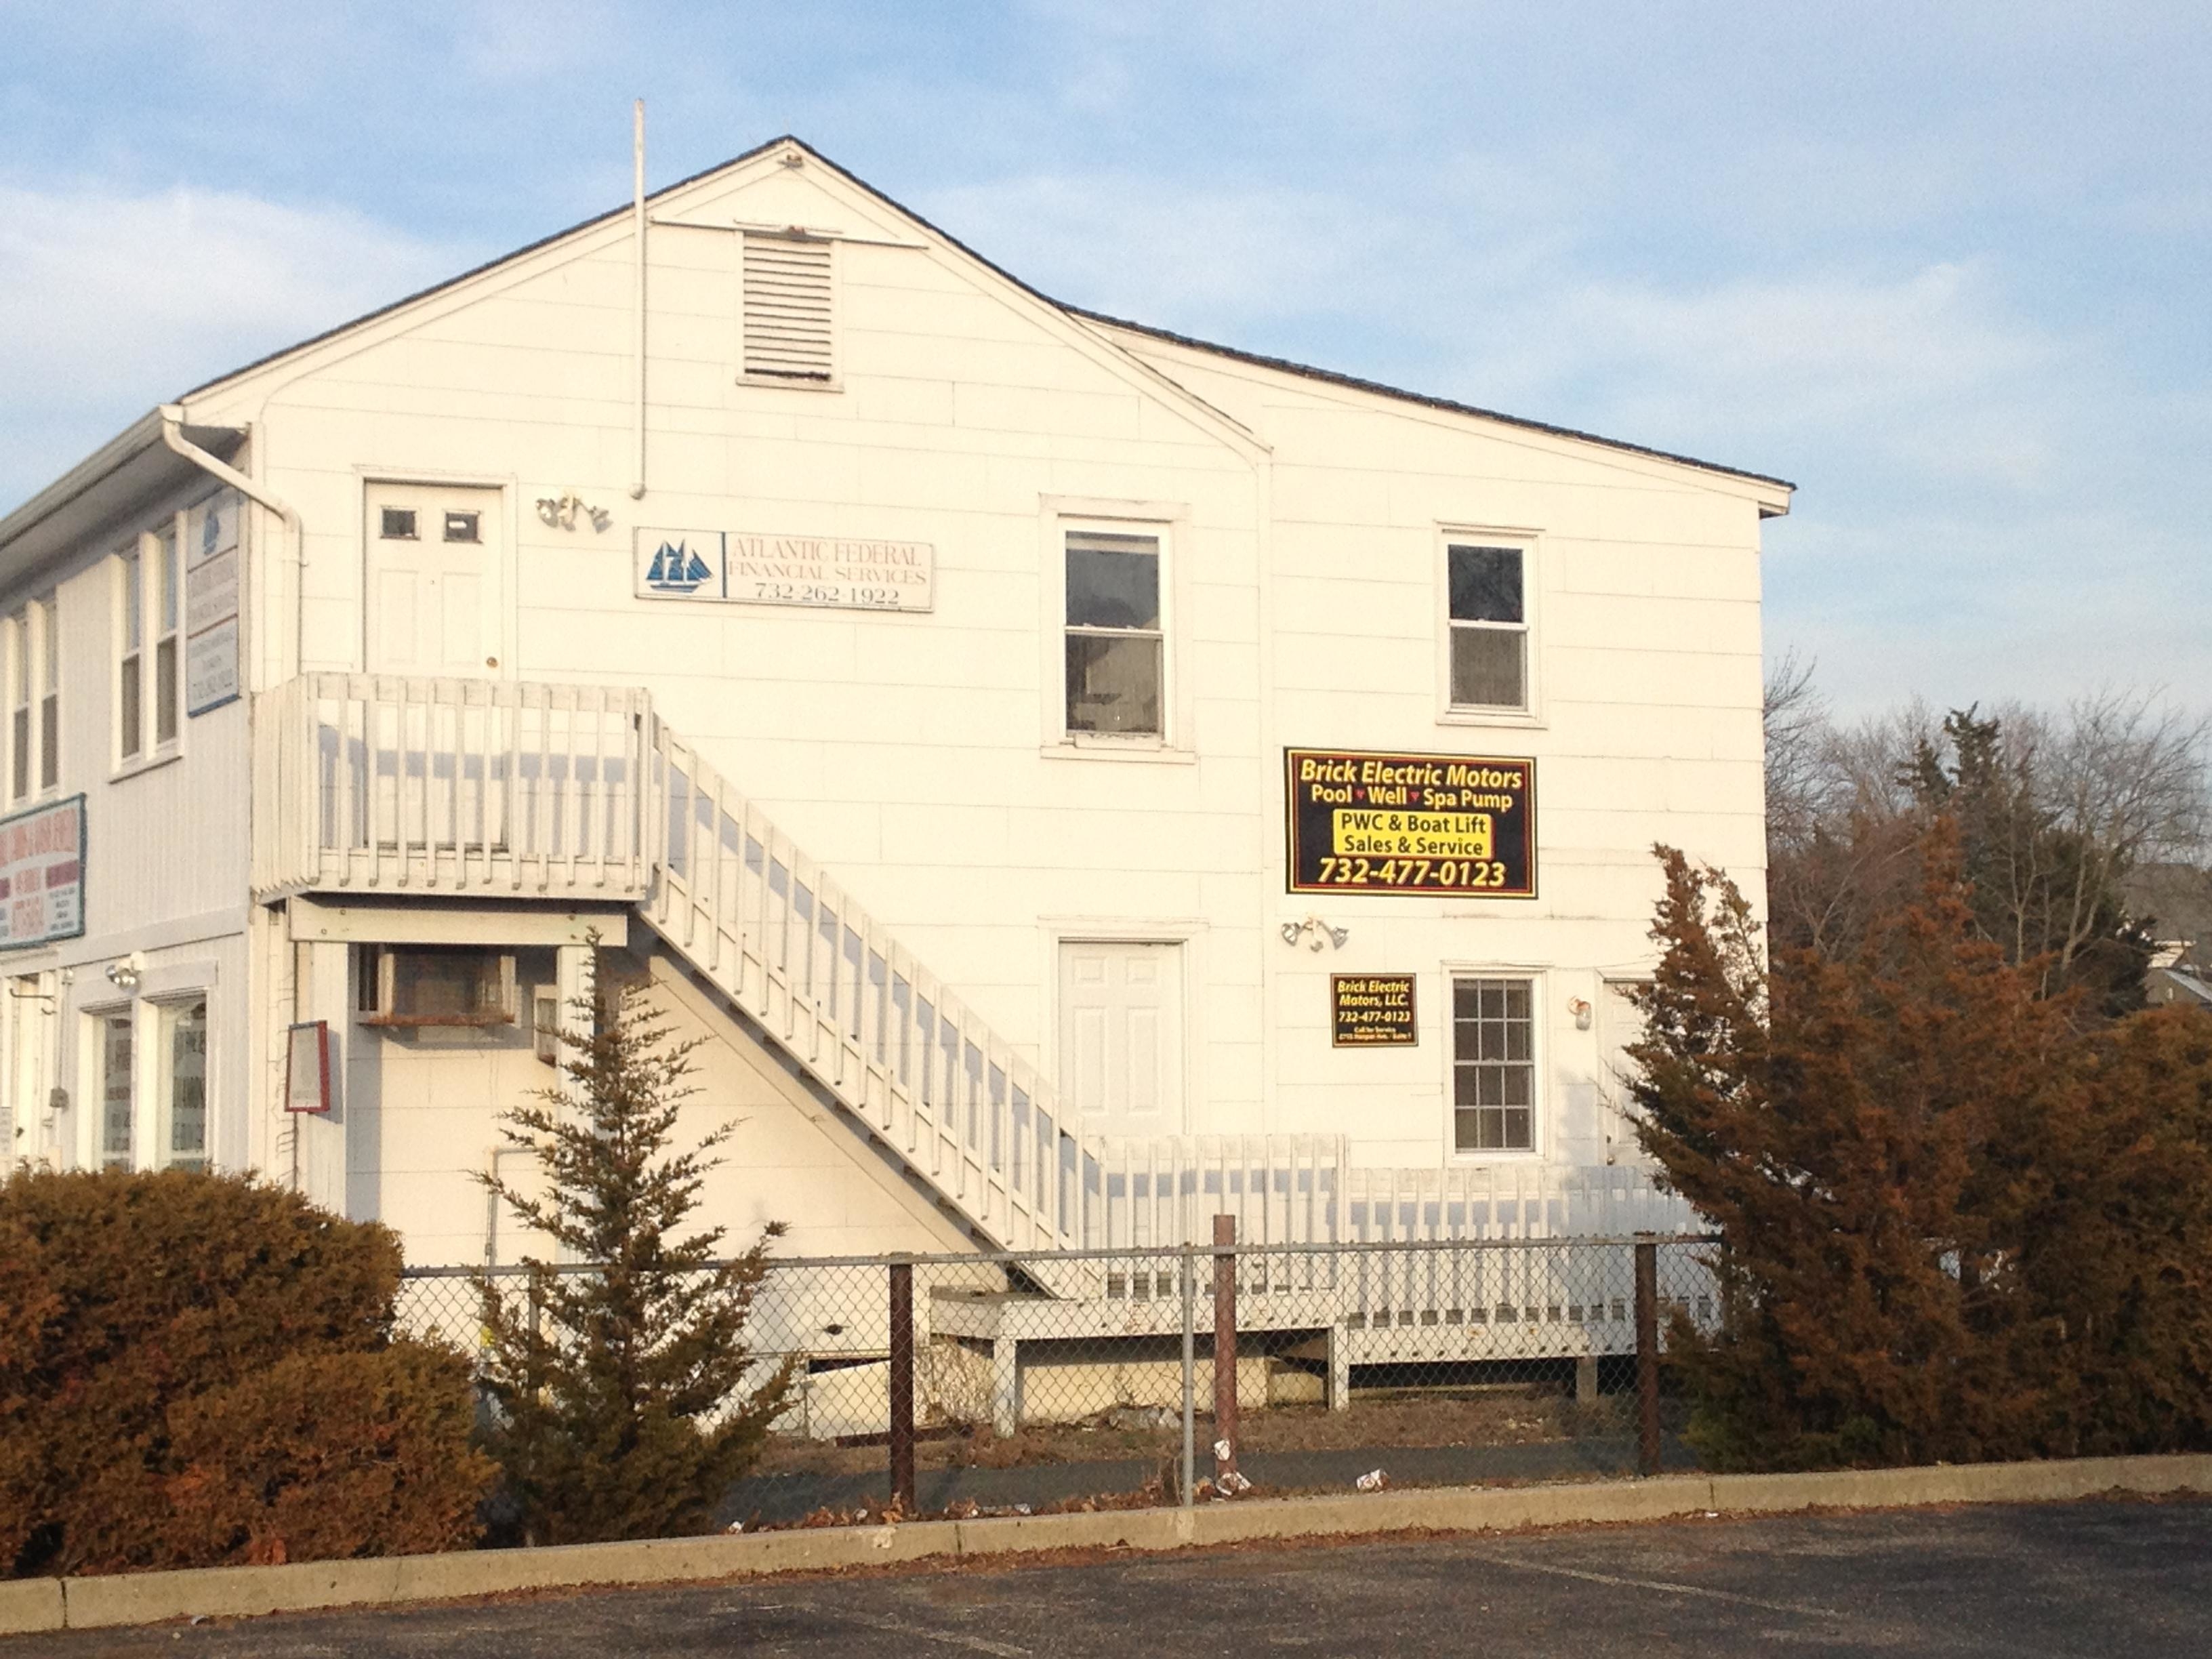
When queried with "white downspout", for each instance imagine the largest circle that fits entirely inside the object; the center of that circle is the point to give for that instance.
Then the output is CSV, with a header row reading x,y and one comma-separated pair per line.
x,y
637,293
172,420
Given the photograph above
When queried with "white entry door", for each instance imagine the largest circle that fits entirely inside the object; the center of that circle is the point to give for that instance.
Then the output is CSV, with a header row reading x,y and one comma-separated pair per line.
x,y
437,601
1121,1036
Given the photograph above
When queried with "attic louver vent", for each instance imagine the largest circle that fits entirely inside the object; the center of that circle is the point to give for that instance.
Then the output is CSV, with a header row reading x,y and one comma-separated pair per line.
x,y
786,308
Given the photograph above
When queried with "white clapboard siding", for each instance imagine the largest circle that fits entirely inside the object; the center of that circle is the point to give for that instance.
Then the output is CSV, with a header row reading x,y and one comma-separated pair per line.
x,y
387,784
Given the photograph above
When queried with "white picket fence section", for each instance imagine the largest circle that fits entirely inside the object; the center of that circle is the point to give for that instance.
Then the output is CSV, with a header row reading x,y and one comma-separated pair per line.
x,y
384,784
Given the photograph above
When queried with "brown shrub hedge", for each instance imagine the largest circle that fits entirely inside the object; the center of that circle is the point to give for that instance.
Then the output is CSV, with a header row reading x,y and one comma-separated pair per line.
x,y
201,1369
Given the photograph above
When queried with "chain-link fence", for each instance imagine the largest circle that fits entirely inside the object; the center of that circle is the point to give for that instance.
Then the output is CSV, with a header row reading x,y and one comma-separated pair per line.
x,y
1025,1382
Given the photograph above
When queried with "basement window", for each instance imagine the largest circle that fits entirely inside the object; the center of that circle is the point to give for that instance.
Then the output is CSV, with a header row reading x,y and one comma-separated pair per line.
x,y
788,337
434,985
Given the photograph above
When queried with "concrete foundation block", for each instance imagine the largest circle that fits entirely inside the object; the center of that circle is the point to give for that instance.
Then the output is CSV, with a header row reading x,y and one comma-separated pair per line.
x,y
30,1605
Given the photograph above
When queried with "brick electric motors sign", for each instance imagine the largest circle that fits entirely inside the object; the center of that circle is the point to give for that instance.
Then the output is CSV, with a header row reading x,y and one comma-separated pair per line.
x,y
1372,1011
1365,823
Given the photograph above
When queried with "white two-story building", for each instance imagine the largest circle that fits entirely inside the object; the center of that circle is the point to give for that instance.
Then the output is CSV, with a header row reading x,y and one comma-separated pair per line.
x,y
1075,778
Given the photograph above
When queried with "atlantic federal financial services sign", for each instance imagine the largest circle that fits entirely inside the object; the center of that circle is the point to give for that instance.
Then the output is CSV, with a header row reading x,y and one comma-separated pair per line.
x,y
1360,822
742,567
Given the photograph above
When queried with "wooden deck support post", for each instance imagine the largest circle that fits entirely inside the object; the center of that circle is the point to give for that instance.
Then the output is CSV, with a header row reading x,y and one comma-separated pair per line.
x,y
901,1387
1005,1386
1647,1355
1339,1367
1225,1344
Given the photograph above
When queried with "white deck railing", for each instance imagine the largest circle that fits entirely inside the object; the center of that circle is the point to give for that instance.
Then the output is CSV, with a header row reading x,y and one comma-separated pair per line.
x,y
383,783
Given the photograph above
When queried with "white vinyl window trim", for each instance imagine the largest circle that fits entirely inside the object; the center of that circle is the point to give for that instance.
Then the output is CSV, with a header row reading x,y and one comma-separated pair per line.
x,y
23,752
1114,621
45,618
1489,627
1494,1054
33,702
149,617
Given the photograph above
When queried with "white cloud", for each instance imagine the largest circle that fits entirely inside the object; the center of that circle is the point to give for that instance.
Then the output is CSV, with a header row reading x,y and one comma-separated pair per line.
x,y
113,301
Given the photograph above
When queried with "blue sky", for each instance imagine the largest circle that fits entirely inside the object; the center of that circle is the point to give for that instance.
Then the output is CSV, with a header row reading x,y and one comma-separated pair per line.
x,y
1944,265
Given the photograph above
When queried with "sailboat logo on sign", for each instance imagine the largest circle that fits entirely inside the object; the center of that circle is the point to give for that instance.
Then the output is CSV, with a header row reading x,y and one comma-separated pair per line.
x,y
676,569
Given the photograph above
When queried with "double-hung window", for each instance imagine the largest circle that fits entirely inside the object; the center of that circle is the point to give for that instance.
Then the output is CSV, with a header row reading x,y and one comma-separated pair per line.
x,y
1489,626
46,617
164,608
1493,1066
20,760
1116,646
131,689
146,671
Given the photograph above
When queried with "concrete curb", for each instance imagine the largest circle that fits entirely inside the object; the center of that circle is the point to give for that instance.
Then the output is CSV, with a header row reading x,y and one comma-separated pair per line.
x,y
28,1605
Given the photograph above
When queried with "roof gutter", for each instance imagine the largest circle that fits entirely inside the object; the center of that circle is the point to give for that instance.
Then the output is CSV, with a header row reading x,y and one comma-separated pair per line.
x,y
172,422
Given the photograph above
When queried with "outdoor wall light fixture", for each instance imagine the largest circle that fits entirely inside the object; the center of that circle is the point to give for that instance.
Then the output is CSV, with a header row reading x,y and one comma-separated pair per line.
x,y
1580,1010
123,975
563,511
1317,930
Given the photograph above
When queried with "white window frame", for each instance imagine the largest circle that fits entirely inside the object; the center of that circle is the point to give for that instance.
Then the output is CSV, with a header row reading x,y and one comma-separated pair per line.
x,y
1540,1091
158,655
166,581
23,706
41,618
1169,525
128,667
1529,544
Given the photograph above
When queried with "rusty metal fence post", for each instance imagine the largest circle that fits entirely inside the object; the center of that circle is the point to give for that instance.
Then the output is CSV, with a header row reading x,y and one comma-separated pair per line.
x,y
1225,1345
1189,1275
901,1387
1647,1355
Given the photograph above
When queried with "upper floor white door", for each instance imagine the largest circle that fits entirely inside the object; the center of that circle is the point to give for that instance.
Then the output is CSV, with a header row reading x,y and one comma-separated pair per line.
x,y
1121,1036
437,599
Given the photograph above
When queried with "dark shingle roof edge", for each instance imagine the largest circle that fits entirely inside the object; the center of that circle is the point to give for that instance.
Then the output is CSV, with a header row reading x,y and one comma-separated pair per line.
x,y
1283,365
1331,377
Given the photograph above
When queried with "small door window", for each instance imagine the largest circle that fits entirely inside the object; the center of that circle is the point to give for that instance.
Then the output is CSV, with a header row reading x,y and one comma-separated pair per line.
x,y
117,1106
182,1076
399,524
462,527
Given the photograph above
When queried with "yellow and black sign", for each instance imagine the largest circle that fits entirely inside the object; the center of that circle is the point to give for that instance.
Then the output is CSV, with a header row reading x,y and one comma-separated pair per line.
x,y
1372,1011
1434,824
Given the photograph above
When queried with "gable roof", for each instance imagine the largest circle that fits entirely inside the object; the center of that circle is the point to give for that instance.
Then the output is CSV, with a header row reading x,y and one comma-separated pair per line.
x,y
1331,377
145,433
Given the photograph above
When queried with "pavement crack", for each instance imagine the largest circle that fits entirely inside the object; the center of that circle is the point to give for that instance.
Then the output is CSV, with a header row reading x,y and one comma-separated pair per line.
x,y
951,1638
1666,1586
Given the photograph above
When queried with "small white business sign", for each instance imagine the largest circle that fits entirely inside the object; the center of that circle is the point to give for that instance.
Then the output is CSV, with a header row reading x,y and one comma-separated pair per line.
x,y
211,648
42,874
743,567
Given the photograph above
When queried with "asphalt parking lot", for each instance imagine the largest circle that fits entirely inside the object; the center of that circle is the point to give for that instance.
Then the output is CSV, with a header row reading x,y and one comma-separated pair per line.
x,y
2097,1579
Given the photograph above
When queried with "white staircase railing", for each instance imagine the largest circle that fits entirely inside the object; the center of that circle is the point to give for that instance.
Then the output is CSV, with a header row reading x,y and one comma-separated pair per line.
x,y
925,1074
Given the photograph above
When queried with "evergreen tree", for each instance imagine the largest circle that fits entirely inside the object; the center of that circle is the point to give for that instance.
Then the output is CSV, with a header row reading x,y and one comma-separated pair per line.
x,y
1961,1223
625,1401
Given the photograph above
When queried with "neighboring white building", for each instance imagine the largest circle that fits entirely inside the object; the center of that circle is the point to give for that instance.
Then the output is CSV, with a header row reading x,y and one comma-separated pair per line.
x,y
1179,709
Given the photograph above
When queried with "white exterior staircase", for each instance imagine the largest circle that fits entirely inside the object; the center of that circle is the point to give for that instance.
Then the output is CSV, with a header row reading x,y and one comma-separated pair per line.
x,y
376,784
